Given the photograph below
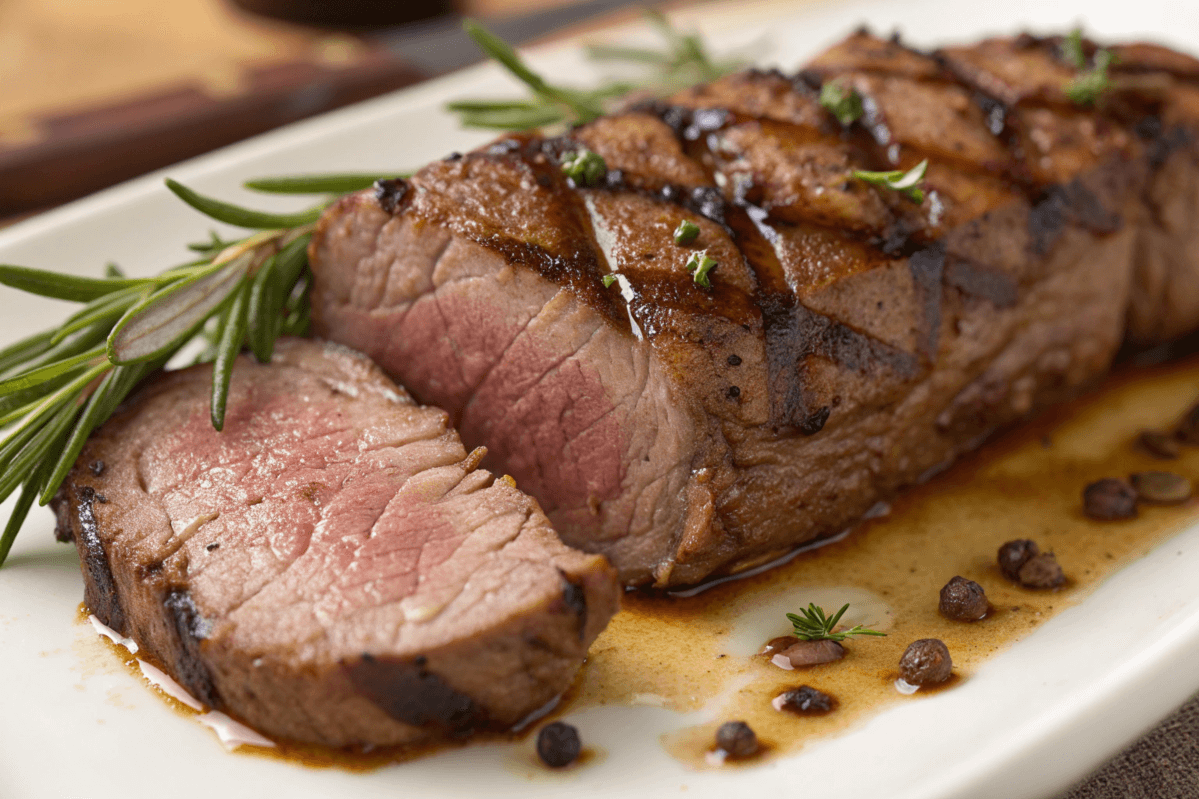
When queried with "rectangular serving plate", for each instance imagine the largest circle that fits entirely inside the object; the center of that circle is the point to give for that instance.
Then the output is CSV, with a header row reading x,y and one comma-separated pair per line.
x,y
77,722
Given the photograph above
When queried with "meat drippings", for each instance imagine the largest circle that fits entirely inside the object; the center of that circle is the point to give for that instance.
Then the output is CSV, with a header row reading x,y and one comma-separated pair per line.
x,y
891,570
694,661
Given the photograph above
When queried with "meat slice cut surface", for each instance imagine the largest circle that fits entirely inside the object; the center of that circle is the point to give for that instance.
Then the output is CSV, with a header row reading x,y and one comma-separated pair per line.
x,y
332,567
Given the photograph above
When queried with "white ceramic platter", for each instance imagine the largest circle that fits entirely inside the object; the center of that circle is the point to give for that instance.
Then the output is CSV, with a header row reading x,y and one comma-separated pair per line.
x,y
75,723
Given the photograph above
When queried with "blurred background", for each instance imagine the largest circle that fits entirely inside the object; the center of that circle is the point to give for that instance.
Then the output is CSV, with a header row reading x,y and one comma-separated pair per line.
x,y
93,92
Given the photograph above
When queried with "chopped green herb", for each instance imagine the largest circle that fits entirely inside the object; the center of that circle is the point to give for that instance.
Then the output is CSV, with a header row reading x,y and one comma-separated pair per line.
x,y
906,183
608,280
813,625
1089,86
584,167
1072,49
842,102
686,232
699,265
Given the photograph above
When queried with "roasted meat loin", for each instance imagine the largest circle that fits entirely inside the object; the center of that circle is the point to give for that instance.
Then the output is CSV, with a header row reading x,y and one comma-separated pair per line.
x,y
332,567
852,341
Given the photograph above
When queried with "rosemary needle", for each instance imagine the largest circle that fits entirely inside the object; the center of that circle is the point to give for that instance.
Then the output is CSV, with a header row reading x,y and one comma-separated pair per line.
x,y
58,385
320,184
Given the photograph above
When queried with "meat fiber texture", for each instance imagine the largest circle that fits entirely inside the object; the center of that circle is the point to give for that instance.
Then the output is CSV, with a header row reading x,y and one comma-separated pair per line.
x,y
332,567
853,341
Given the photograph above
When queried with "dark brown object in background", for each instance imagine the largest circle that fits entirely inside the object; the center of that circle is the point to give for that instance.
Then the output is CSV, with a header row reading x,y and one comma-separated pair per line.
x,y
348,13
83,152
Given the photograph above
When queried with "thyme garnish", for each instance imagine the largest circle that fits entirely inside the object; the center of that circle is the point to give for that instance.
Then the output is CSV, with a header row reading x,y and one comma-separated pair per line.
x,y
1089,86
682,62
1072,49
608,280
906,183
699,265
813,625
686,232
843,103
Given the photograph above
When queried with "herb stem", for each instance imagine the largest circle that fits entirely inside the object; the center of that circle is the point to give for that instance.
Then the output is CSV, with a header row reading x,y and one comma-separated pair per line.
x,y
241,217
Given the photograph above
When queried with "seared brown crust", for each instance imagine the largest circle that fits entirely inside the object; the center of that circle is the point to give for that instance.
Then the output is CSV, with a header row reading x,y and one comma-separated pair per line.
x,y
852,342
332,567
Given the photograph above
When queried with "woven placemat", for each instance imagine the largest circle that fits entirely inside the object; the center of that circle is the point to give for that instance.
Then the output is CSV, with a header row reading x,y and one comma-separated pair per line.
x,y
1164,764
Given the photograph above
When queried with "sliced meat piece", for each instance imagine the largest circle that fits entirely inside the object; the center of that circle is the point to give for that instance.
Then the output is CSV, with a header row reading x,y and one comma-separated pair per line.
x,y
853,341
332,568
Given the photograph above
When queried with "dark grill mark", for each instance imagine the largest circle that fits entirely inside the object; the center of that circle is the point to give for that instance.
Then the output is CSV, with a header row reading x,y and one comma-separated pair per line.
x,y
1061,205
927,267
980,281
410,693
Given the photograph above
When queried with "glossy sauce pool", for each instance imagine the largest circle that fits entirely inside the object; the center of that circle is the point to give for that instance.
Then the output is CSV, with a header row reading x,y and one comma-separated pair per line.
x,y
697,655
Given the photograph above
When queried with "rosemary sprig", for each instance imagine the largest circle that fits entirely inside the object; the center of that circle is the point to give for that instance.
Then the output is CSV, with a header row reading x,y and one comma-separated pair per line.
x,y
58,385
906,183
682,61
814,625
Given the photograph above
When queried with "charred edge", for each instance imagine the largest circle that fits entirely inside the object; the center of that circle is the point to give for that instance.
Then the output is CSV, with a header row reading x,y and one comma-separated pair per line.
x,y
1066,204
391,193
688,124
982,282
100,590
819,335
190,628
927,268
413,695
575,598
776,302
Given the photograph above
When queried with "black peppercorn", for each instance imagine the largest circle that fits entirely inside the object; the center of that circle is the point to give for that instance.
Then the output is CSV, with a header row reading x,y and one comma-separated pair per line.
x,y
1109,499
925,662
737,739
804,700
558,744
1015,554
1042,571
963,600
